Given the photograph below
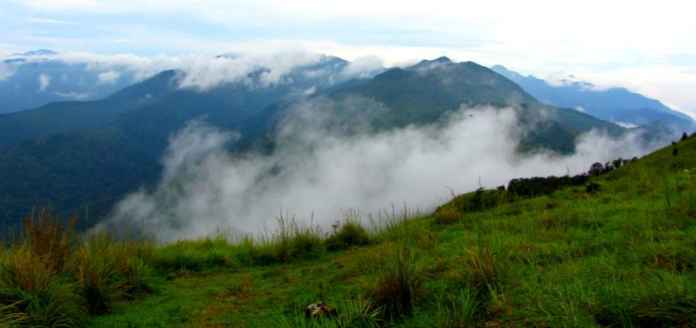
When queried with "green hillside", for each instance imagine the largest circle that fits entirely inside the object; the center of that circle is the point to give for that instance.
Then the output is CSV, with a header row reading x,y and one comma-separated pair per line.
x,y
615,251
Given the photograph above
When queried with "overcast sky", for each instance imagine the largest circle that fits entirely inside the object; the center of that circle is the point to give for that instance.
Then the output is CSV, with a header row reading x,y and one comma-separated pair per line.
x,y
648,46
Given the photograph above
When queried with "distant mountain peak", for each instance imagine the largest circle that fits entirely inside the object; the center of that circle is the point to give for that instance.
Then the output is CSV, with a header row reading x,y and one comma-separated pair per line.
x,y
38,52
427,64
442,60
439,60
615,104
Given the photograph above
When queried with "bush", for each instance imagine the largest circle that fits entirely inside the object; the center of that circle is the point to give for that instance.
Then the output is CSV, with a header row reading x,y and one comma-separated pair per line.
x,y
348,235
447,215
479,200
398,286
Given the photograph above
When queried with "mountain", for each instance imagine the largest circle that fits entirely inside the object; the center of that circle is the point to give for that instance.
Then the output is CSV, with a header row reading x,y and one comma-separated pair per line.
x,y
427,91
36,78
84,156
67,116
617,105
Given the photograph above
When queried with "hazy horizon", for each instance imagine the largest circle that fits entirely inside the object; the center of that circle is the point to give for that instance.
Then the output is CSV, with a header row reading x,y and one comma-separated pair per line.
x,y
645,47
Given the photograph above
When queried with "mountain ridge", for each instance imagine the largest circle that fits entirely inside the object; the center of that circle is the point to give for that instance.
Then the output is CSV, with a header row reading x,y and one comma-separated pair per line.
x,y
614,104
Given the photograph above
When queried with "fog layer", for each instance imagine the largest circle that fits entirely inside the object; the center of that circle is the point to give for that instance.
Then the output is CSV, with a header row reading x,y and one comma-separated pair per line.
x,y
317,172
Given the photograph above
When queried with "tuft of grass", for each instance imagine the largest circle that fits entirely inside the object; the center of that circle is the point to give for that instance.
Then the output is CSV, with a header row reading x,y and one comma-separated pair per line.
x,y
485,273
290,242
10,317
49,239
349,234
31,291
107,270
458,310
399,285
97,278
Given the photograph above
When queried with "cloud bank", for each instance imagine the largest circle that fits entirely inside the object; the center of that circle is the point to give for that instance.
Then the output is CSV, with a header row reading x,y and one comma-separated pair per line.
x,y
320,171
204,72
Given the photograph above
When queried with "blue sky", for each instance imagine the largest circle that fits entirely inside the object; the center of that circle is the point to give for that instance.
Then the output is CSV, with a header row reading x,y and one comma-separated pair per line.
x,y
646,46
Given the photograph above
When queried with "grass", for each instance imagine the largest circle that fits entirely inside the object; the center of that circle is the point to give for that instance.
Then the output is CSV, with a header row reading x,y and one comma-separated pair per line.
x,y
620,256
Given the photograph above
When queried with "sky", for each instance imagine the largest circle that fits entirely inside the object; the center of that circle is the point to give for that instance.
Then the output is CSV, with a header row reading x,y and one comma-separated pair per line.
x,y
647,46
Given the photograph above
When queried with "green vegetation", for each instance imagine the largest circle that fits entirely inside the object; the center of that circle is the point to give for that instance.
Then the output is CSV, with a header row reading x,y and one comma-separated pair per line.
x,y
621,256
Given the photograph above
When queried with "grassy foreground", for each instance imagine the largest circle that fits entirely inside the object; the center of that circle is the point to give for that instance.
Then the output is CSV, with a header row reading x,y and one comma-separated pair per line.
x,y
619,255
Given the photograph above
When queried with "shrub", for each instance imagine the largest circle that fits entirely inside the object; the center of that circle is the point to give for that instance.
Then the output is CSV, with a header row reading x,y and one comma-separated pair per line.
x,y
349,234
398,286
447,215
479,200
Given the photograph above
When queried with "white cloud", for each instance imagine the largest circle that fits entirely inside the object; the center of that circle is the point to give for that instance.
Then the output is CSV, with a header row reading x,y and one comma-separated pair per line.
x,y
363,67
109,77
44,82
319,173
72,95
203,72
626,125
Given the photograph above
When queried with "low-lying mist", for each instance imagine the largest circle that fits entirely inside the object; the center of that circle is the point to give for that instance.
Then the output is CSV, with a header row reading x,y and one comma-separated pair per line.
x,y
318,172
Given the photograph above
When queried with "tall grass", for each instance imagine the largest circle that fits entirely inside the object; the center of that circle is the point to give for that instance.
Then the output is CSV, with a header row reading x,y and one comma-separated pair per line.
x,y
399,285
10,317
107,270
49,239
50,277
350,233
458,309
29,289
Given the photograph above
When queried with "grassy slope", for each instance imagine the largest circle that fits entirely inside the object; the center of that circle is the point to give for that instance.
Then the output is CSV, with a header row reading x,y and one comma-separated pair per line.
x,y
619,257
